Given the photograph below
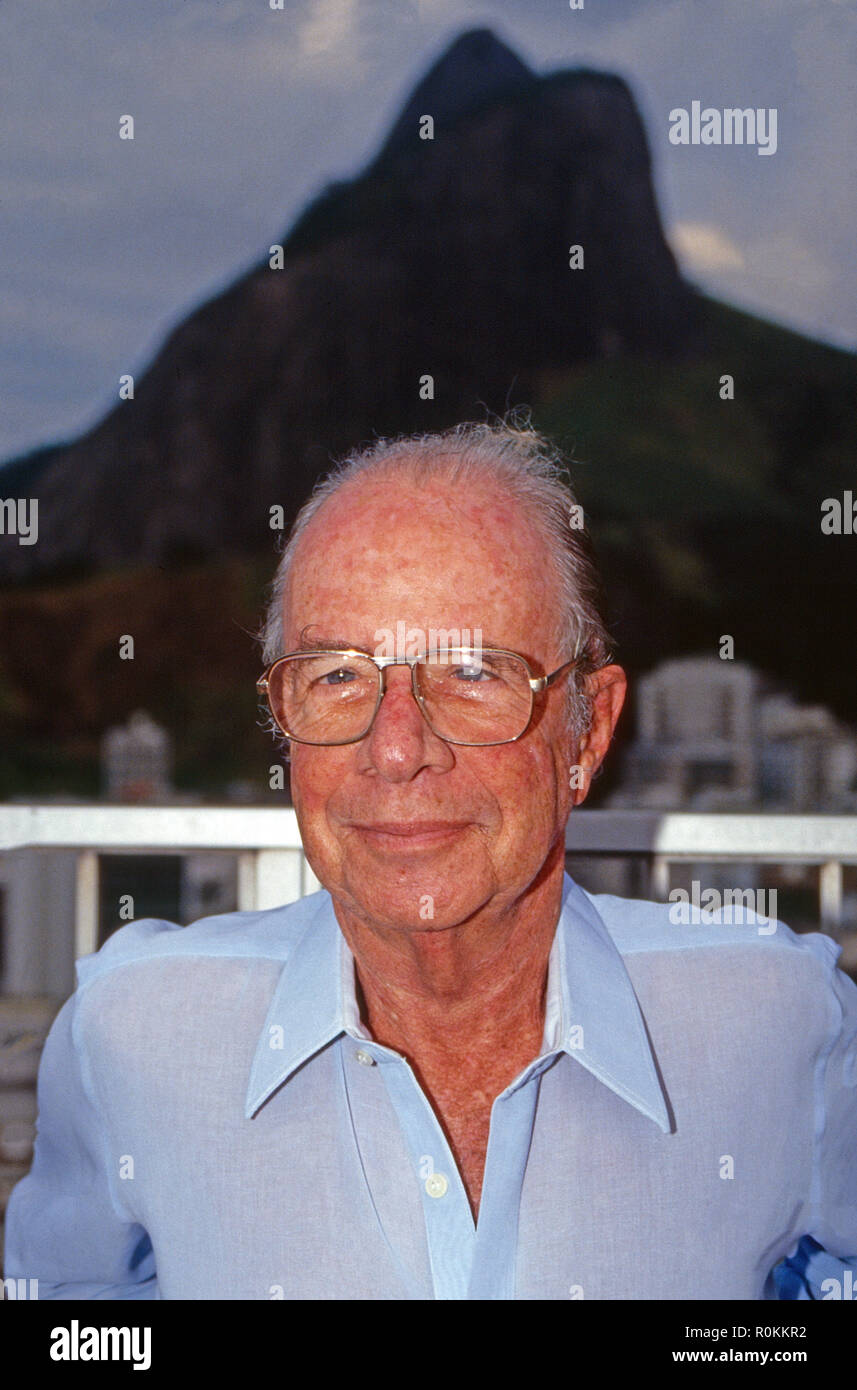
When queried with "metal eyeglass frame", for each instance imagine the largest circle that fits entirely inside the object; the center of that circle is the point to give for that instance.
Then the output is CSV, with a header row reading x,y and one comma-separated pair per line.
x,y
536,683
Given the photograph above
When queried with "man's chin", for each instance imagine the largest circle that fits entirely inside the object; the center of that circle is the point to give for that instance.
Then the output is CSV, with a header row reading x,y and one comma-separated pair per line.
x,y
417,895
427,915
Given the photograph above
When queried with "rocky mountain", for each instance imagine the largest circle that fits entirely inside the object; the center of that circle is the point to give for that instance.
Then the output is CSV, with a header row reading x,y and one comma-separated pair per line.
x,y
447,256
475,70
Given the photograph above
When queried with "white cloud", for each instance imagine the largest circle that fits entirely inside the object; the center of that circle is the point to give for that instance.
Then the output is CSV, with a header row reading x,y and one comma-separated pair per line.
x,y
700,246
327,26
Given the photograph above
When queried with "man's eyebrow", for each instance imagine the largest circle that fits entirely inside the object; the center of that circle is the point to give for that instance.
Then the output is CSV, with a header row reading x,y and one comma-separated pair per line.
x,y
325,644
334,644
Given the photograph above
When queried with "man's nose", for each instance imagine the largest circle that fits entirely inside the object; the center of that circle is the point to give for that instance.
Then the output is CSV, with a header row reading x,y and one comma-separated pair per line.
x,y
400,741
399,711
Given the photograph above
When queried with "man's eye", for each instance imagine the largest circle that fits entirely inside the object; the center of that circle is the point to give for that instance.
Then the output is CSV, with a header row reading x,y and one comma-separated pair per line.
x,y
341,676
471,673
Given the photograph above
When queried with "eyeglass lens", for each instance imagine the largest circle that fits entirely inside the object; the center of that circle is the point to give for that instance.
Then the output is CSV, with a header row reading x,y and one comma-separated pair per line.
x,y
467,696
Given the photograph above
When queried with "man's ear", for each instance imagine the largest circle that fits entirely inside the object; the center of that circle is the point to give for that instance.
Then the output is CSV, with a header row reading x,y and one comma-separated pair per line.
x,y
606,688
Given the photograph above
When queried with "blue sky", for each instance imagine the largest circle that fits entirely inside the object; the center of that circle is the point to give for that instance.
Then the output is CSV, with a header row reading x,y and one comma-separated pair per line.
x,y
243,113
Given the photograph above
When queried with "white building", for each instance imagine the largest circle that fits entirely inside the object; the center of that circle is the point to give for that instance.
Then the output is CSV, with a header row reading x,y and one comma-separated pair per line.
x,y
710,737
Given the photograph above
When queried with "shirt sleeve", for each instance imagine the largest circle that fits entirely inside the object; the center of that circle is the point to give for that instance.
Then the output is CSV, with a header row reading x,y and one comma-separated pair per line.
x,y
63,1226
823,1265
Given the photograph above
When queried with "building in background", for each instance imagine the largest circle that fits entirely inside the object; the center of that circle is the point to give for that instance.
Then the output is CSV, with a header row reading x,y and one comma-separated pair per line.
x,y
710,737
136,761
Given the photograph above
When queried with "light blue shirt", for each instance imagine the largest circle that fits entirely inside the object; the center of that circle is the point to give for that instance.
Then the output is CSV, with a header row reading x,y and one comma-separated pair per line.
x,y
215,1122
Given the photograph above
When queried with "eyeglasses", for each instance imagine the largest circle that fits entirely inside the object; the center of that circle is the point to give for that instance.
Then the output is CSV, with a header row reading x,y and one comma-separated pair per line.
x,y
467,696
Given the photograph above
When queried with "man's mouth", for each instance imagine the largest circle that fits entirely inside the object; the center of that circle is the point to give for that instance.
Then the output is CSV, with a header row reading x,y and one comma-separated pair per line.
x,y
411,834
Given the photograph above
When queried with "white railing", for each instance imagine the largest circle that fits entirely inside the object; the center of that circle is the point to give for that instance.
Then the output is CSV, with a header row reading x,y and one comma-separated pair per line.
x,y
272,868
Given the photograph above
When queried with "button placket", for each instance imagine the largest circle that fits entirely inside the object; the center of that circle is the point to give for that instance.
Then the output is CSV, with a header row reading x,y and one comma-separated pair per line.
x,y
450,1232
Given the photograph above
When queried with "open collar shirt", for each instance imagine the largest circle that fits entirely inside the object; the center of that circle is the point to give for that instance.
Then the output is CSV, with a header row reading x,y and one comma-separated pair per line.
x,y
216,1122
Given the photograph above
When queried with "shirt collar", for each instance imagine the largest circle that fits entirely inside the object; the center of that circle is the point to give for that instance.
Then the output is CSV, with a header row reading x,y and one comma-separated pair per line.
x,y
591,1009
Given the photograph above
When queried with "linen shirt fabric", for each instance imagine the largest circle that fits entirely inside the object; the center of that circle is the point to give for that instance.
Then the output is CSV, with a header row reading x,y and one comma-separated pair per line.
x,y
216,1123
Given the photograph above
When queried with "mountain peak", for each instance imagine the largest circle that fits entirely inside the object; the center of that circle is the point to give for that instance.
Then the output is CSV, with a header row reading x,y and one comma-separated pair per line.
x,y
476,68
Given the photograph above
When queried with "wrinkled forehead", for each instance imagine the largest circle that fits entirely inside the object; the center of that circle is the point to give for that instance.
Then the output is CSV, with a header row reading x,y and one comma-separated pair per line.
x,y
386,550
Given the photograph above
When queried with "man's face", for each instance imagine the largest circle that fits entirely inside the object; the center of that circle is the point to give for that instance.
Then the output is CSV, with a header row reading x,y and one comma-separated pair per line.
x,y
403,829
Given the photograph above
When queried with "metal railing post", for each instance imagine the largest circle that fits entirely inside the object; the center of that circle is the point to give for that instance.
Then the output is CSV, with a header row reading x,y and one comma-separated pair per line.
x,y
830,896
86,904
659,878
246,881
278,877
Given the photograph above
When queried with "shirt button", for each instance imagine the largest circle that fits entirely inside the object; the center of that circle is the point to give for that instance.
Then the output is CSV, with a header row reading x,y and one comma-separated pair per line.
x,y
436,1185
364,1058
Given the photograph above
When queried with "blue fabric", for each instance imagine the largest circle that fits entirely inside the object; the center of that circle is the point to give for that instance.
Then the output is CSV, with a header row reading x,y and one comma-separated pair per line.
x,y
215,1122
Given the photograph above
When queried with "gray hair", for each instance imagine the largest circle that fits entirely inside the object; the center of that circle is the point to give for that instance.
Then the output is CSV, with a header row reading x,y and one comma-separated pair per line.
x,y
518,461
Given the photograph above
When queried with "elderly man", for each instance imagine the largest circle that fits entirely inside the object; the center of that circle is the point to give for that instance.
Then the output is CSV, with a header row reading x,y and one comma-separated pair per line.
x,y
453,1073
